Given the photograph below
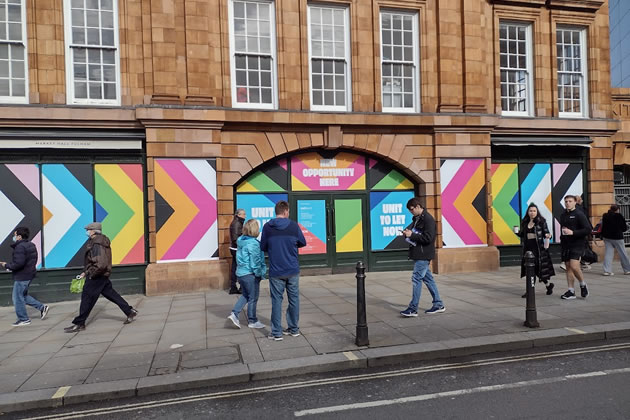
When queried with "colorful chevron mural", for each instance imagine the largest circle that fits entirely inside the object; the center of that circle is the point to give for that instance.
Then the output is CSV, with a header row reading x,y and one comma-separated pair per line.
x,y
186,209
388,217
68,206
348,225
567,180
505,203
383,176
272,178
120,208
463,202
20,204
535,186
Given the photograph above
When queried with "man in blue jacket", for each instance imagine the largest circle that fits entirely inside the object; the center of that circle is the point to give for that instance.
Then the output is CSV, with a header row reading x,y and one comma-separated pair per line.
x,y
24,268
281,238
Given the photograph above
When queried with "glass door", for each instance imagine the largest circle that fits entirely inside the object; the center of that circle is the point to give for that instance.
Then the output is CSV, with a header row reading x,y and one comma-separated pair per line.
x,y
349,230
312,215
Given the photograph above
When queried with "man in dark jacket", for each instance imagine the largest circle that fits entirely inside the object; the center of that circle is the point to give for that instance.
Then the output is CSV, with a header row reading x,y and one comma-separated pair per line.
x,y
575,227
421,236
236,229
281,238
24,268
97,269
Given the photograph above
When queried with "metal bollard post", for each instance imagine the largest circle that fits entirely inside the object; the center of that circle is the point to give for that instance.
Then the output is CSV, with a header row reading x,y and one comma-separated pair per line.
x,y
531,320
362,328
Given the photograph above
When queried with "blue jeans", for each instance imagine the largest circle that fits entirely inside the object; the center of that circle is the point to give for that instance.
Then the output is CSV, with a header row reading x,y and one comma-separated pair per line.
x,y
422,273
21,298
276,287
250,288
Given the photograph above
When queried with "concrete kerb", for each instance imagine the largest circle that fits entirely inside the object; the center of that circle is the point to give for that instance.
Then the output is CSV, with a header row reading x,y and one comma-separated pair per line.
x,y
357,359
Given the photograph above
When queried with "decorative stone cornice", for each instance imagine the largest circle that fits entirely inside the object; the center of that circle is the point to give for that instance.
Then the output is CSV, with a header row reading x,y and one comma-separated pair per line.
x,y
583,5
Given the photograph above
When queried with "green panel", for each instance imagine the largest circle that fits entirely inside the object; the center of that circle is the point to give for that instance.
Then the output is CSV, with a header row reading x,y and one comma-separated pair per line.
x,y
54,285
391,181
118,212
263,183
347,215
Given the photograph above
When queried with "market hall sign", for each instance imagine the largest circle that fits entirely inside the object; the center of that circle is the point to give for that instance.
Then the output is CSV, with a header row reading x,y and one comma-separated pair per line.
x,y
70,144
314,172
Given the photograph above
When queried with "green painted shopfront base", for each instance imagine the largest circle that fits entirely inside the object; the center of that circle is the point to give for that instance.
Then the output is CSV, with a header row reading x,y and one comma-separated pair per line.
x,y
54,285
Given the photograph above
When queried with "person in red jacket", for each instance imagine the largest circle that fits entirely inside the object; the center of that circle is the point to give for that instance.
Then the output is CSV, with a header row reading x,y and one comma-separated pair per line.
x,y
24,268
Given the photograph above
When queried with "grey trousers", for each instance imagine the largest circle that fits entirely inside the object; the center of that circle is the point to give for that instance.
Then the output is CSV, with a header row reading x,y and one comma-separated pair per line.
x,y
611,246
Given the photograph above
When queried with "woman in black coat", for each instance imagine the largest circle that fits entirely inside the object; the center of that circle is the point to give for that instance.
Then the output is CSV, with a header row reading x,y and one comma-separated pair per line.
x,y
535,236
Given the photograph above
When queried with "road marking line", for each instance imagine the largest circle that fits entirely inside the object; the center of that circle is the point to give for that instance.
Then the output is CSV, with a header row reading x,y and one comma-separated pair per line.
x,y
455,393
330,381
61,392
575,330
350,355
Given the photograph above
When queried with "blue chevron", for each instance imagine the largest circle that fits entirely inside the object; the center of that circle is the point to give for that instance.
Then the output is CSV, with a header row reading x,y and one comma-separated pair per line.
x,y
82,200
531,182
101,213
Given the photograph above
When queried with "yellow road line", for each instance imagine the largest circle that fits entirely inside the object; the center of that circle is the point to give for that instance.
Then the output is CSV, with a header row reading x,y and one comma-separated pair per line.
x,y
350,355
61,392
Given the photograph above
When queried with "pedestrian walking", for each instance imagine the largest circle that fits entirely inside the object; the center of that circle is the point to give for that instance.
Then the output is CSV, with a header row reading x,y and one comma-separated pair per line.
x,y
281,238
250,270
96,271
613,227
535,236
575,227
421,237
236,229
23,268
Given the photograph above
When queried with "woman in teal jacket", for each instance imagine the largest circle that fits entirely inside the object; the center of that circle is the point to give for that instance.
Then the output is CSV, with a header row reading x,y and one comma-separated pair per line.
x,y
250,269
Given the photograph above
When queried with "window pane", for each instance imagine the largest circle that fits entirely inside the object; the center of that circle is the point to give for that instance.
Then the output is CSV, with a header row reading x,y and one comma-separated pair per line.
x,y
78,18
108,37
241,78
95,91
107,19
254,95
266,96
80,72
80,90
78,36
4,68
110,91
239,9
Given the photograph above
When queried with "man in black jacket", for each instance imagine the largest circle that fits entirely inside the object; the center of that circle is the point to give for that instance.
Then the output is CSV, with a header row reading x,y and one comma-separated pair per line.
x,y
421,236
24,269
236,229
575,227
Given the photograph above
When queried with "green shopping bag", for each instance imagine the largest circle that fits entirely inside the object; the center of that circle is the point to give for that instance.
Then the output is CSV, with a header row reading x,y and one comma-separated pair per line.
x,y
76,285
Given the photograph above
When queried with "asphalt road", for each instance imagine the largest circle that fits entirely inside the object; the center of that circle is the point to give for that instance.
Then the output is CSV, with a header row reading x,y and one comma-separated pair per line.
x,y
569,382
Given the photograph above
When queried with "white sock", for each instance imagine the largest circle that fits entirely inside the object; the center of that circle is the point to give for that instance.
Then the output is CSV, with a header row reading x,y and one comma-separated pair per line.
x,y
571,289
582,283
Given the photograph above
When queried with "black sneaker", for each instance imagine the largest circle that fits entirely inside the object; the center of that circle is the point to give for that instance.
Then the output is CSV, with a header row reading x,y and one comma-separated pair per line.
x,y
568,295
409,313
292,334
132,315
235,292
74,328
550,288
584,291
45,311
435,310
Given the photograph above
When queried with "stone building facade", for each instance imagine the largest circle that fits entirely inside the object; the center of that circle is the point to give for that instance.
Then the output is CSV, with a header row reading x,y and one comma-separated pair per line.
x,y
479,107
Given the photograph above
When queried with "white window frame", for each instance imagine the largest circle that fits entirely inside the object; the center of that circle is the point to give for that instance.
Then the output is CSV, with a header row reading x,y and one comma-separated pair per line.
x,y
19,99
70,98
273,56
416,61
529,63
348,62
584,73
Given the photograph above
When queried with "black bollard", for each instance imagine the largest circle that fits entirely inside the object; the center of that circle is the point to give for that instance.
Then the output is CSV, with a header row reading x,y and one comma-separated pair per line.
x,y
531,320
362,328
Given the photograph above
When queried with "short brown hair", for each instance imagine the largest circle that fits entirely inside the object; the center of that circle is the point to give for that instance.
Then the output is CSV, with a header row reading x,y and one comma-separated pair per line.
x,y
281,207
251,228
414,202
570,196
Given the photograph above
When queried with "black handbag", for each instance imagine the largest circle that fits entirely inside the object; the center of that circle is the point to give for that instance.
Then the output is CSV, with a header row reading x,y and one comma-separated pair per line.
x,y
589,256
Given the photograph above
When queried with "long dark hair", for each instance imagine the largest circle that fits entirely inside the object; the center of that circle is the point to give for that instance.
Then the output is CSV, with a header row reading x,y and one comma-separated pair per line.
x,y
539,219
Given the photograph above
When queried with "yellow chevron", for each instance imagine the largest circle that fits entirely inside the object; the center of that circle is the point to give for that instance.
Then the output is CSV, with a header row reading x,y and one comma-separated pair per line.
x,y
352,241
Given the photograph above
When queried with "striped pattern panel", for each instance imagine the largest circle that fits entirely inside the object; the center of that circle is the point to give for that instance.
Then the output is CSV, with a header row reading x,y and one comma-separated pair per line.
x,y
463,202
67,208
20,205
505,203
348,225
567,180
120,208
535,186
186,209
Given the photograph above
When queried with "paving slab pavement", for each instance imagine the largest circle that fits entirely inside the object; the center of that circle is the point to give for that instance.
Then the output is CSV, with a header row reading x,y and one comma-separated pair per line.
x,y
186,341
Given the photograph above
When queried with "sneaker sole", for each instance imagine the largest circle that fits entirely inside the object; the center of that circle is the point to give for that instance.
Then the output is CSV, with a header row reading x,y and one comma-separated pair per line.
x,y
254,327
567,298
409,315
275,338
291,334
45,313
234,322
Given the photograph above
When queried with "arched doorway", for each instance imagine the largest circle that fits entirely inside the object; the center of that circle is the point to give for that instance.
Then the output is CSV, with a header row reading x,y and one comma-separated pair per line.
x,y
350,207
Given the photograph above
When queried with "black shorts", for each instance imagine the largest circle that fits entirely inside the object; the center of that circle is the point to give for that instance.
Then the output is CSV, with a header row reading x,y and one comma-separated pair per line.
x,y
572,253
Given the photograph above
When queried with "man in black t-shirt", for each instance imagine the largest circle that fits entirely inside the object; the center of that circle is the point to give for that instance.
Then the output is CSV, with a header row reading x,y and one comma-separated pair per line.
x,y
575,227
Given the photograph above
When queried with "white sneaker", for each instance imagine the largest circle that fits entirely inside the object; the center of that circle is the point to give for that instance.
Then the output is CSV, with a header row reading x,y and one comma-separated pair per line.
x,y
257,325
563,266
586,267
21,323
626,272
611,274
234,320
